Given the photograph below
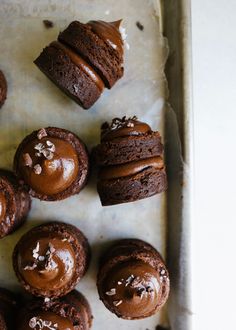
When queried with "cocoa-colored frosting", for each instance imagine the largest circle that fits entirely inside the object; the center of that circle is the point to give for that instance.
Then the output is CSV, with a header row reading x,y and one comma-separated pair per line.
x,y
78,61
46,263
123,127
3,206
109,32
118,171
49,165
132,289
45,321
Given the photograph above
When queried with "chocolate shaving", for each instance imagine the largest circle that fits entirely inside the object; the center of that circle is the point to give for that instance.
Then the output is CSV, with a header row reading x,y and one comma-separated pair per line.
x,y
139,26
48,24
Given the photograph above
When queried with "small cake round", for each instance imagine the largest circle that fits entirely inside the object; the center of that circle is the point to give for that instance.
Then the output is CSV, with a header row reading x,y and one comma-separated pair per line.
x,y
15,203
133,281
72,312
130,158
49,260
8,307
3,89
53,163
85,59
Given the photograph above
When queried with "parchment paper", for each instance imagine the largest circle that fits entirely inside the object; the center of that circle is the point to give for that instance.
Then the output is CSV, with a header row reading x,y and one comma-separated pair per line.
x,y
34,102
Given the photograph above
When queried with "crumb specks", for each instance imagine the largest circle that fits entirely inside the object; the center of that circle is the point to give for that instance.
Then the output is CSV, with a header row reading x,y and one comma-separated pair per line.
x,y
139,26
48,24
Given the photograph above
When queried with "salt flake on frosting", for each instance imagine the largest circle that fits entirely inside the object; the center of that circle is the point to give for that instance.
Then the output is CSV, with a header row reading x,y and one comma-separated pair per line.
x,y
37,323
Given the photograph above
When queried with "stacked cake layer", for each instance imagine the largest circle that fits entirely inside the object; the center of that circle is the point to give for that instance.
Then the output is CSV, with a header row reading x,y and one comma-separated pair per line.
x,y
85,59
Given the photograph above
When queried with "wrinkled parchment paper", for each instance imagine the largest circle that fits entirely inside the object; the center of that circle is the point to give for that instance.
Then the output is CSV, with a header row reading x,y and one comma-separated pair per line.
x,y
34,102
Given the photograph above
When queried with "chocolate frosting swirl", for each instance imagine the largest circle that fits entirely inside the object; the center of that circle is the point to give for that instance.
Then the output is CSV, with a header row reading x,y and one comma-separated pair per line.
x,y
3,206
49,165
109,32
123,127
132,288
118,171
45,321
46,263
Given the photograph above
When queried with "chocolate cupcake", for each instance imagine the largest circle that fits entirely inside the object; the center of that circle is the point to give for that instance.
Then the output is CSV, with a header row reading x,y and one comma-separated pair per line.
x,y
8,307
130,158
3,89
84,59
15,203
133,281
53,163
72,312
49,260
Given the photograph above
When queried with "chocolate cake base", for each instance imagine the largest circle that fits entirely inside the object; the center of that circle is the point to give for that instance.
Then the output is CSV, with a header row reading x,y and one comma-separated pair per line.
x,y
83,159
131,188
69,77
18,203
79,244
124,150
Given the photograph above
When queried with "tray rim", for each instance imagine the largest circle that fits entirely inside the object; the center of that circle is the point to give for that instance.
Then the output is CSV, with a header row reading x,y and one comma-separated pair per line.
x,y
182,107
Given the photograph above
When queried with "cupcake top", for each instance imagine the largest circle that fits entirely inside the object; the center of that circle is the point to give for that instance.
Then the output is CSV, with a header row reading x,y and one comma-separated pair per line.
x,y
46,262
133,281
50,259
121,127
68,313
53,163
45,320
132,288
48,164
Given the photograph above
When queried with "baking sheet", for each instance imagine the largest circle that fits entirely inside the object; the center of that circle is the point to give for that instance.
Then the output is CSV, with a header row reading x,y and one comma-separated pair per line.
x,y
34,102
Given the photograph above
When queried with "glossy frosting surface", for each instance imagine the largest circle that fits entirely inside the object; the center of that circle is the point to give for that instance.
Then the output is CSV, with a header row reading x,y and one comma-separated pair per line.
x,y
3,206
49,165
132,289
123,127
109,32
41,320
46,263
118,171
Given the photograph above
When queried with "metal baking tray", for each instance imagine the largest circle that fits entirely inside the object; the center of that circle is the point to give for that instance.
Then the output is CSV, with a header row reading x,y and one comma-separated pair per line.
x,y
28,108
